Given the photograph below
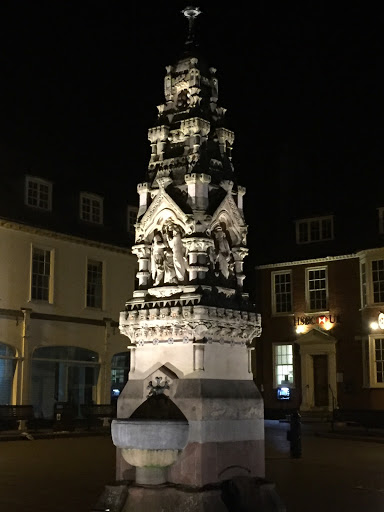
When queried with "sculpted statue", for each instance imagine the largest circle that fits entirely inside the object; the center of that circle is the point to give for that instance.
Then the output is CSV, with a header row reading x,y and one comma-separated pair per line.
x,y
173,235
157,259
168,263
224,256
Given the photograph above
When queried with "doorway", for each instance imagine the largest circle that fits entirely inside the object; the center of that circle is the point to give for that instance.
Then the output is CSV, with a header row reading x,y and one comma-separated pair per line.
x,y
320,380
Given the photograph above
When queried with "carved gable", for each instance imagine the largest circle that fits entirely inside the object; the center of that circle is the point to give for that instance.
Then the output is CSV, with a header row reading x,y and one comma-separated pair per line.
x,y
162,208
228,213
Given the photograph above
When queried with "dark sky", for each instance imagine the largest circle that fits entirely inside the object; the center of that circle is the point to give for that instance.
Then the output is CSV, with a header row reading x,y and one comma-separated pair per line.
x,y
302,82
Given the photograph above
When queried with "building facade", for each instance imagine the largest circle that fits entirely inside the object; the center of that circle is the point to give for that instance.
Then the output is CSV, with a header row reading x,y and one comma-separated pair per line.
x,y
321,346
64,274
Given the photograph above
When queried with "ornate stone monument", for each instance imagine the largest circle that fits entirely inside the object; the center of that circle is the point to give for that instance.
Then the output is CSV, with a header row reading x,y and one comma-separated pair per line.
x,y
190,414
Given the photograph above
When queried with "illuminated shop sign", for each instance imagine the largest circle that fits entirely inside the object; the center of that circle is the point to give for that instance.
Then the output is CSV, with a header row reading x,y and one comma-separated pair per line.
x,y
321,320
379,324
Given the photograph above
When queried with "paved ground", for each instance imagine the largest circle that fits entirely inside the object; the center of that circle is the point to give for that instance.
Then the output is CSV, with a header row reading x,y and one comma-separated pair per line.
x,y
68,474
333,475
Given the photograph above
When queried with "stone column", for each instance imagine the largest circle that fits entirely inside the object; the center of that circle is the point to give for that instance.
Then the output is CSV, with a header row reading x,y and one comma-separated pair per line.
x,y
239,253
250,350
24,365
143,253
195,131
143,191
226,140
198,190
198,354
306,388
158,137
197,257
240,194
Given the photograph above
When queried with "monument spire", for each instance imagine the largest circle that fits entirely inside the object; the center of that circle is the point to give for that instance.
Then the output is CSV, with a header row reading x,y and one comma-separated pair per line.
x,y
189,322
191,13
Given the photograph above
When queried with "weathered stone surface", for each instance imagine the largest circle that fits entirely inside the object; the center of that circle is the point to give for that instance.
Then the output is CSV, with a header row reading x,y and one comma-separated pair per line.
x,y
241,494
113,498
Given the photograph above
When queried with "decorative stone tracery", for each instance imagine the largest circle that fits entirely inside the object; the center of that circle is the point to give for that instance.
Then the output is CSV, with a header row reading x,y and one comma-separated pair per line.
x,y
190,248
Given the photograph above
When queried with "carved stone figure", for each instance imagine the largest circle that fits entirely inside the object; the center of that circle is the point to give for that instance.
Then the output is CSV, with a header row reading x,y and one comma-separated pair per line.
x,y
157,259
169,267
173,235
223,252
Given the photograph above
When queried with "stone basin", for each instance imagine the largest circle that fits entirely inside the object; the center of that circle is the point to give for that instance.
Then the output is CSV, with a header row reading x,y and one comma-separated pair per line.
x,y
150,445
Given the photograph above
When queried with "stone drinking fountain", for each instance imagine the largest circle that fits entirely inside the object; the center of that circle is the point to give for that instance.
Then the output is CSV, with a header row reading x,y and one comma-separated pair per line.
x,y
153,437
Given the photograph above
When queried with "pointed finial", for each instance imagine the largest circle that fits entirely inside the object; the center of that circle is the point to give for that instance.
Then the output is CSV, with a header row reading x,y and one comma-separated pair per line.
x,y
191,13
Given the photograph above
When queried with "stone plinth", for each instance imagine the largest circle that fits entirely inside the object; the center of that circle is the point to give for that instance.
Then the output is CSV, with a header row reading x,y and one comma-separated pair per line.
x,y
226,428
239,494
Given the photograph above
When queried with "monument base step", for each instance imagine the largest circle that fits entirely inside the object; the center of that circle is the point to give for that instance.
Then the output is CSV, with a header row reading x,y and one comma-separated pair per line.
x,y
240,493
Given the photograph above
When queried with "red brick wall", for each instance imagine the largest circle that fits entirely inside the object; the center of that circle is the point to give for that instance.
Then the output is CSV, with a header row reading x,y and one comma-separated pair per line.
x,y
344,300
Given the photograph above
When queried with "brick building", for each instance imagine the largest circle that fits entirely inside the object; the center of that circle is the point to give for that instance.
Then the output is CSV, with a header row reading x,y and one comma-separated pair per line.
x,y
321,297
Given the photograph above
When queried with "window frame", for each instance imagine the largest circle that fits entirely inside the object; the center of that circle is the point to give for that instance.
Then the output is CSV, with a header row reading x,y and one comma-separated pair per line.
x,y
102,296
38,181
51,251
91,197
372,360
364,283
372,291
273,292
308,222
307,290
274,365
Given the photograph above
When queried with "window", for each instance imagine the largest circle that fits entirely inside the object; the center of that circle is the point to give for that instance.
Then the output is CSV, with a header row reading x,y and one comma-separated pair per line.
x,y
283,365
8,362
314,230
281,292
63,374
38,193
94,284
378,280
91,208
131,218
376,362
119,373
41,285
317,295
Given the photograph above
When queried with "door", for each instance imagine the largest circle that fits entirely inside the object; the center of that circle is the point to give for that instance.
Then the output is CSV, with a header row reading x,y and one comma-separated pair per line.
x,y
320,378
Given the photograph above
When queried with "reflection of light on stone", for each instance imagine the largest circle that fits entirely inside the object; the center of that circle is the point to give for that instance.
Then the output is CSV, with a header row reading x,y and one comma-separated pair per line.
x,y
374,325
300,329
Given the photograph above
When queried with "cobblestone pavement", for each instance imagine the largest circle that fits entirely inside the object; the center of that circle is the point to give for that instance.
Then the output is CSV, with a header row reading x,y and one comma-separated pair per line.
x,y
69,474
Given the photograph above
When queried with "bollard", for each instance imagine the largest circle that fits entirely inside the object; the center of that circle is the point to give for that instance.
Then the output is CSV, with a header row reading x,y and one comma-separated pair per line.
x,y
294,435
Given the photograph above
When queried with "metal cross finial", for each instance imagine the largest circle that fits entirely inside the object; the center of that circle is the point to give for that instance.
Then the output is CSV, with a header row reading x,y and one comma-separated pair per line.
x,y
191,13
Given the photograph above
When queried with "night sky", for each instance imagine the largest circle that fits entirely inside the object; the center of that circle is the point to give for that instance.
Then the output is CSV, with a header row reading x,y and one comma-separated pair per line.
x,y
302,82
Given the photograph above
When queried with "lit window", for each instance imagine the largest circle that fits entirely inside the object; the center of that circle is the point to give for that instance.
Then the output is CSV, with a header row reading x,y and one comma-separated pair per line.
x,y
94,284
281,292
376,362
91,208
131,218
314,230
41,274
378,280
38,193
317,289
283,365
